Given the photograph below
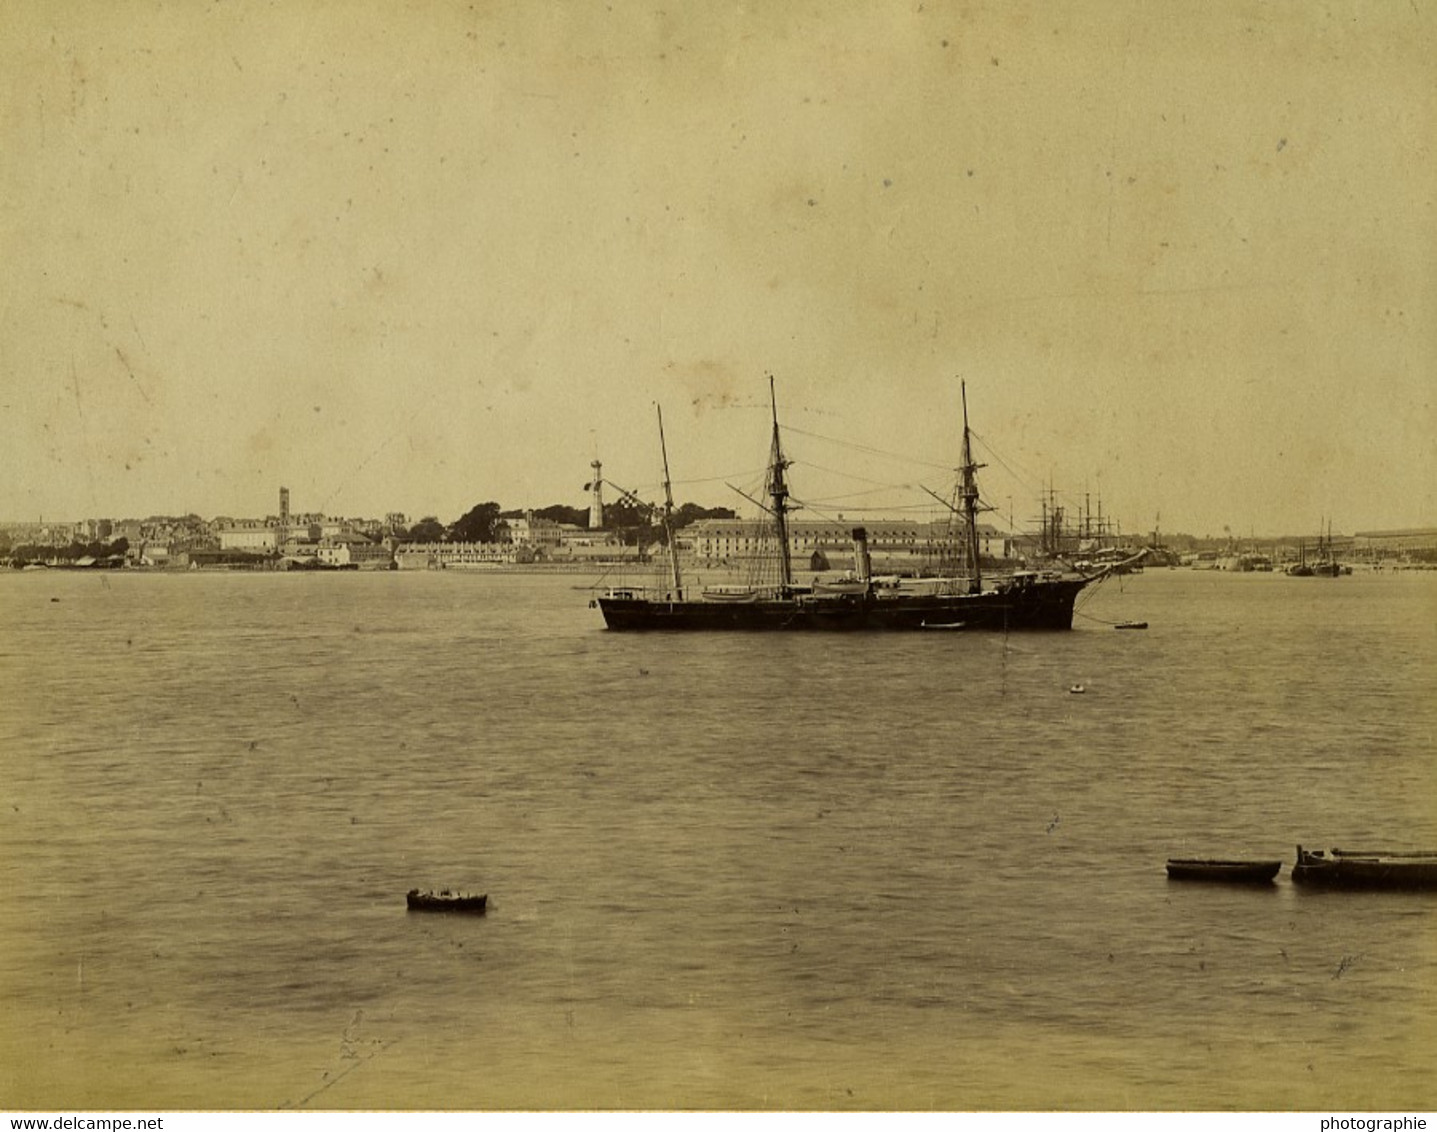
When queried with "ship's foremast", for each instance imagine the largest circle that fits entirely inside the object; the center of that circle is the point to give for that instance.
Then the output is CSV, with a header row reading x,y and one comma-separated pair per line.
x,y
968,493
668,514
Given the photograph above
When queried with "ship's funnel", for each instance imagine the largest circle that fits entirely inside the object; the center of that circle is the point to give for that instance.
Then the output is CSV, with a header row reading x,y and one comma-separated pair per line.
x,y
862,564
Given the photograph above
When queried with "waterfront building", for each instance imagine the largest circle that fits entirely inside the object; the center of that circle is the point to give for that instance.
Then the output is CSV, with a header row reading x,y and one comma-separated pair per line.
x,y
459,555
531,531
151,554
249,534
896,541
346,550
572,537
1408,541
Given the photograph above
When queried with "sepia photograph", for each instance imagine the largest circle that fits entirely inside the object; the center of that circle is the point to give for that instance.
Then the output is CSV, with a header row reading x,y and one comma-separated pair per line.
x,y
710,557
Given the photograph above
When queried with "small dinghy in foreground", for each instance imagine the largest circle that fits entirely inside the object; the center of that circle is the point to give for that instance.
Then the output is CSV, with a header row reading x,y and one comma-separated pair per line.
x,y
446,901
1223,872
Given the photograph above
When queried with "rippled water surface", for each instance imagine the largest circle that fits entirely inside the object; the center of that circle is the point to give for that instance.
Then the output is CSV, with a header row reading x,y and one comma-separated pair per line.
x,y
746,871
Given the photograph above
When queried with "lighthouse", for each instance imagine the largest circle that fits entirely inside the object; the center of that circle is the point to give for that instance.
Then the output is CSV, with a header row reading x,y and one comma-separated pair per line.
x,y
596,498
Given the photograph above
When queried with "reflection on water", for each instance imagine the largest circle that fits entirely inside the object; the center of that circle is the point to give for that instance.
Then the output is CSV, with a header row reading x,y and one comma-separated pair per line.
x,y
724,872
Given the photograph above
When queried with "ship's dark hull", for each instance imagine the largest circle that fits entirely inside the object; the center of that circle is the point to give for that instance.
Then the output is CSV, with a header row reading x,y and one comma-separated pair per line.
x,y
1037,605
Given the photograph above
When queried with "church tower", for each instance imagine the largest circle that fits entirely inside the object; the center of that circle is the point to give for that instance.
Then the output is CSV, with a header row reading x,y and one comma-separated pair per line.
x,y
282,535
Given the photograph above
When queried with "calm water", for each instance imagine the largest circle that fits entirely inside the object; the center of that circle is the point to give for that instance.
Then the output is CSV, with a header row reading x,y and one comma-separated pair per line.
x,y
724,871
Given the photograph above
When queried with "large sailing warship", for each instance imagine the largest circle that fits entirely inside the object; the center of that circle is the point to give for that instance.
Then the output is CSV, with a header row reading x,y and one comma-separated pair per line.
x,y
968,601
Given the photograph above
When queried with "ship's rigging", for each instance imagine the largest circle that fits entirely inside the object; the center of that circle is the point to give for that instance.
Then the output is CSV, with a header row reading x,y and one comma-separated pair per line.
x,y
858,600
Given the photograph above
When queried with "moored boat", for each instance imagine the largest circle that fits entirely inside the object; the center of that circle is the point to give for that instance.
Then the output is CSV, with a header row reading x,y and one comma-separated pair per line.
x,y
1024,600
446,901
1373,870
1223,872
1326,565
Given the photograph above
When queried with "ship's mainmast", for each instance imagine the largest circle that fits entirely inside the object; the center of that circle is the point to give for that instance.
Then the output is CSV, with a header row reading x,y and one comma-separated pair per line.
x,y
968,493
778,492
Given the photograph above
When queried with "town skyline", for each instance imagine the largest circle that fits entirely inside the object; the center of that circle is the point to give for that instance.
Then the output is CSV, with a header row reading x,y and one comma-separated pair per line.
x,y
1074,520
1181,259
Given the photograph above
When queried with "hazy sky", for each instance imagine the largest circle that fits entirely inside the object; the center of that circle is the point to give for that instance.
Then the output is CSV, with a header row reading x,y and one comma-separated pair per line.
x,y
413,257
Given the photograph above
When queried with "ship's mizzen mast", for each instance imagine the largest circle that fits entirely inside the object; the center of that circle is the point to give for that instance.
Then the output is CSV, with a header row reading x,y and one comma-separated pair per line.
x,y
668,512
778,492
968,493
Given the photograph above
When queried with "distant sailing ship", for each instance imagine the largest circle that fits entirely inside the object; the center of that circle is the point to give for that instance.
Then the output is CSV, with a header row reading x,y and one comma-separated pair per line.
x,y
1326,564
1023,600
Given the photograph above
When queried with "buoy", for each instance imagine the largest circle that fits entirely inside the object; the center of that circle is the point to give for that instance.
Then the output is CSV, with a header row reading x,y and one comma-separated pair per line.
x,y
1077,689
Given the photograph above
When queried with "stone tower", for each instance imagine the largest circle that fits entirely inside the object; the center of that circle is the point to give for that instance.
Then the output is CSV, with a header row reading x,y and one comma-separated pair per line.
x,y
596,498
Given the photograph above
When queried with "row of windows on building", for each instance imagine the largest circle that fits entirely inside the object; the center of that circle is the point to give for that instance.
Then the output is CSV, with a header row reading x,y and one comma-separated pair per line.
x,y
726,538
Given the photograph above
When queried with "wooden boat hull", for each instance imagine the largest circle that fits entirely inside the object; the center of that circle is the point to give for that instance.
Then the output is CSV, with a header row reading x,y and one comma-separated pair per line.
x,y
1378,872
446,902
1223,872
1037,605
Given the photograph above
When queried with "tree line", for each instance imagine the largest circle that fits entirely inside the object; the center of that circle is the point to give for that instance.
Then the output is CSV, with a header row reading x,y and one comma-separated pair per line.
x,y
633,523
25,552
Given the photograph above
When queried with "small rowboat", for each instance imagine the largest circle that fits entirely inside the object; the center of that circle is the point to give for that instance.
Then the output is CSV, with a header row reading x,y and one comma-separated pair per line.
x,y
843,588
446,901
1131,625
739,595
1223,872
